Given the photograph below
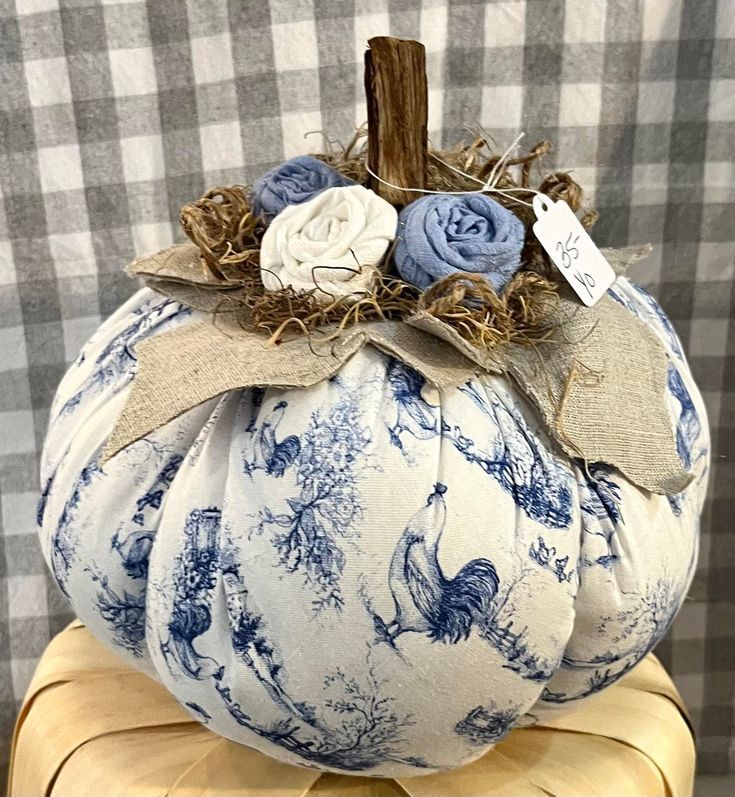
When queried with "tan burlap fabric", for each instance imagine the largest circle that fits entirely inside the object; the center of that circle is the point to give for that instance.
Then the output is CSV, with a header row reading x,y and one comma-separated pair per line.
x,y
600,384
178,272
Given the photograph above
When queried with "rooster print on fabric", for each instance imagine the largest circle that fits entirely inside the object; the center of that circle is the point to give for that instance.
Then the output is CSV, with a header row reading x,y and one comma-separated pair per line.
x,y
426,601
270,453
448,609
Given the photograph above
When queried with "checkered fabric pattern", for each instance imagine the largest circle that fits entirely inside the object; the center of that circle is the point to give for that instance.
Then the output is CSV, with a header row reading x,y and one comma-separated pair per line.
x,y
114,114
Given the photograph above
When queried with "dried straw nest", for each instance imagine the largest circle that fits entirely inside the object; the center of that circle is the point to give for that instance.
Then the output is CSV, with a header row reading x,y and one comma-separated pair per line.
x,y
228,235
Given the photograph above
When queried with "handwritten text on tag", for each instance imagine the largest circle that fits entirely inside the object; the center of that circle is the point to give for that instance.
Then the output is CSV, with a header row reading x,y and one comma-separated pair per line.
x,y
571,249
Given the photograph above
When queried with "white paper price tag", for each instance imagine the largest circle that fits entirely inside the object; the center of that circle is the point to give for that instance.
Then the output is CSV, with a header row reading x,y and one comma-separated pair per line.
x,y
571,249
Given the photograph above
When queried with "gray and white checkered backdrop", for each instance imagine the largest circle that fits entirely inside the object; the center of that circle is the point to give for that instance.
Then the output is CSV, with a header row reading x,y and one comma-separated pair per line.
x,y
114,114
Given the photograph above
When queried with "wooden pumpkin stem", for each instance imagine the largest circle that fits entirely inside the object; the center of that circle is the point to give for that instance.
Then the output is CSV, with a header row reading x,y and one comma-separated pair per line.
x,y
397,105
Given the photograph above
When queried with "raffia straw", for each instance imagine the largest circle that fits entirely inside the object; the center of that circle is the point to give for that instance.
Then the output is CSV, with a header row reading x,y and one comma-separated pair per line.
x,y
228,235
350,160
278,312
469,304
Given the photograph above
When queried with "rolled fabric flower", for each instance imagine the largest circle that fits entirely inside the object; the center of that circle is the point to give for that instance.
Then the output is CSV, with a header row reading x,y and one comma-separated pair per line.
x,y
333,242
442,234
296,181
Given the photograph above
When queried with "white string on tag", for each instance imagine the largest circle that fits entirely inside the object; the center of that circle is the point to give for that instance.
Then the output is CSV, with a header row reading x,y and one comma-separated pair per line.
x,y
571,249
504,191
497,169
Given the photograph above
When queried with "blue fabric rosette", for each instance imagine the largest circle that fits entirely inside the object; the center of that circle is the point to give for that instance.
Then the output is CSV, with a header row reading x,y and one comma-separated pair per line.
x,y
442,234
295,181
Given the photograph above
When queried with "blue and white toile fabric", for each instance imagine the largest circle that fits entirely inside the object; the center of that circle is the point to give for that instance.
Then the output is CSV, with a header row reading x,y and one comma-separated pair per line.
x,y
362,576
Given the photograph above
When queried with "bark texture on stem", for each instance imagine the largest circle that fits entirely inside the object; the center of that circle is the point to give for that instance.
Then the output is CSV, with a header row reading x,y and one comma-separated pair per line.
x,y
397,104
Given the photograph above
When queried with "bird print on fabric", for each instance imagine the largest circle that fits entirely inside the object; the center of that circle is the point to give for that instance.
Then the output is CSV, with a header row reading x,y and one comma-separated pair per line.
x,y
135,550
426,601
510,452
272,455
417,417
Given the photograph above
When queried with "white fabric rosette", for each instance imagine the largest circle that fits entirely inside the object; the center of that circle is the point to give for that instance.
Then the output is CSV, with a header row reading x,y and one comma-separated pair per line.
x,y
333,242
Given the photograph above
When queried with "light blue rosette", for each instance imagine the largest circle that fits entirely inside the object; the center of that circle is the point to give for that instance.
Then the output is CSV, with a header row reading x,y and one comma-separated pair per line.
x,y
293,182
443,234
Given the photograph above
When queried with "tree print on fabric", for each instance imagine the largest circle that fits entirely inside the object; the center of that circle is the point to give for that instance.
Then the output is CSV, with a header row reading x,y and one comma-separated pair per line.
x,y
117,359
328,505
124,613
193,578
632,633
601,515
63,540
358,728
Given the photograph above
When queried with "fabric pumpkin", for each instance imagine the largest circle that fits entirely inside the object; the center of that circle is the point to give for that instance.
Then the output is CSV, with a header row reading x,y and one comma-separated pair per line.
x,y
361,576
